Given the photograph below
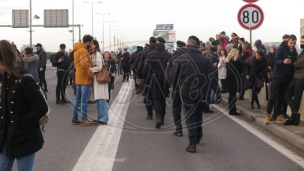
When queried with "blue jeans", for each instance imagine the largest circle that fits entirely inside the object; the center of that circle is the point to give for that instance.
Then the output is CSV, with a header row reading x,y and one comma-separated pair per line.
x,y
212,95
119,68
25,163
81,99
102,110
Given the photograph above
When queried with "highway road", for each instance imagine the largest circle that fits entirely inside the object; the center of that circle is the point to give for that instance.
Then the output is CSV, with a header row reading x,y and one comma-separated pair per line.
x,y
131,143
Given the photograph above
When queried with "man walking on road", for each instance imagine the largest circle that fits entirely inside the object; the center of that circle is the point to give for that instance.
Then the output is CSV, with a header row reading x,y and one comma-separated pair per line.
x,y
84,80
61,61
41,66
176,99
154,74
192,72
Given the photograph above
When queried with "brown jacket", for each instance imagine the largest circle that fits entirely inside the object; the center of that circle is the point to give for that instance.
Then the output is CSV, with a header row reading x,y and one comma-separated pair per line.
x,y
299,67
82,63
42,58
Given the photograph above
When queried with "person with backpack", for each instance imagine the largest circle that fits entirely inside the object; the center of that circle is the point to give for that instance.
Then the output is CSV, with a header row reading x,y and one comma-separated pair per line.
x,y
22,106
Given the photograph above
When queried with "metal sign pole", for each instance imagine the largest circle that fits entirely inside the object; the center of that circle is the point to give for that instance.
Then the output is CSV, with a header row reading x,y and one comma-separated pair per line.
x,y
31,23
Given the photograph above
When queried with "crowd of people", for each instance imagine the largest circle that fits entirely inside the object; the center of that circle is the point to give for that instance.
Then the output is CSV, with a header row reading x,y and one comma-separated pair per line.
x,y
195,76
199,72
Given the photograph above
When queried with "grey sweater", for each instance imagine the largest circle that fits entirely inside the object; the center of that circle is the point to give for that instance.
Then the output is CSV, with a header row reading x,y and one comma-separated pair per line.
x,y
30,64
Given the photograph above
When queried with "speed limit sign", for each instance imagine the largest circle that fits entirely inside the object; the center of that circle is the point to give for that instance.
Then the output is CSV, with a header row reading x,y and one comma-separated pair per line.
x,y
250,16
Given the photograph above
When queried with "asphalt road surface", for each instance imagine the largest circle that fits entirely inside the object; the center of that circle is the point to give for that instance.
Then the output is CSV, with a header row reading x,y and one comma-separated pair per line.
x,y
131,143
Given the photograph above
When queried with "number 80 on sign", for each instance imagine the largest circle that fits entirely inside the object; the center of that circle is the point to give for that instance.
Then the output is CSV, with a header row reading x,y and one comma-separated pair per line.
x,y
250,16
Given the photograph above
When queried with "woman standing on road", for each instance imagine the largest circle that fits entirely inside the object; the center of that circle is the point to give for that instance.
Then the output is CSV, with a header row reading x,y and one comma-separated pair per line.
x,y
222,71
256,72
100,91
21,107
233,80
110,64
30,61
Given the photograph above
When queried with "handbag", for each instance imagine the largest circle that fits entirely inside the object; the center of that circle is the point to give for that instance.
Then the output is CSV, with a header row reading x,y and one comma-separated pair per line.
x,y
259,83
103,76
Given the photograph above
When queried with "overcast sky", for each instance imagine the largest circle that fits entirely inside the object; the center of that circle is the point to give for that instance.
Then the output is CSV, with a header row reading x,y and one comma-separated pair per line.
x,y
137,20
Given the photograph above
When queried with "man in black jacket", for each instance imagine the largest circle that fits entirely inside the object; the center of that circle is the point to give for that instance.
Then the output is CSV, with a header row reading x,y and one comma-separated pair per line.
x,y
41,66
294,92
126,65
132,63
154,76
282,74
176,99
61,61
193,71
135,66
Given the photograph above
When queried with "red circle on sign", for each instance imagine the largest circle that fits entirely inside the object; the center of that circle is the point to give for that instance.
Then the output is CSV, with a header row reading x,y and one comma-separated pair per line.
x,y
250,1
259,22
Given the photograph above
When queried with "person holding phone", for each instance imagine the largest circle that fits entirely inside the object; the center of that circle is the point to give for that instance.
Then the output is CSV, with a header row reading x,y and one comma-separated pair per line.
x,y
61,61
282,74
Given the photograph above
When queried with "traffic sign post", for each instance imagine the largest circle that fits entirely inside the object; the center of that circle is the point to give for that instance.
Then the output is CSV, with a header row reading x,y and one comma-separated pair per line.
x,y
250,17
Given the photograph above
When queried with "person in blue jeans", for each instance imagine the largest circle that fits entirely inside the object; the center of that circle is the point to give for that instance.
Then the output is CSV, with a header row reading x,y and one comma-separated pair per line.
x,y
84,79
21,106
100,91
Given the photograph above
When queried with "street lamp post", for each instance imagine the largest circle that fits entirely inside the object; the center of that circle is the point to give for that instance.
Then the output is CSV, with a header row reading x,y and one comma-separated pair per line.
x,y
117,42
114,36
103,28
110,32
93,13
31,23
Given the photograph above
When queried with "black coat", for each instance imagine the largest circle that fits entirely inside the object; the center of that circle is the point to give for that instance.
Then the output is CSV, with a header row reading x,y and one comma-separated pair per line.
x,y
65,64
256,70
155,67
233,79
126,59
177,53
136,60
142,60
194,74
281,71
21,107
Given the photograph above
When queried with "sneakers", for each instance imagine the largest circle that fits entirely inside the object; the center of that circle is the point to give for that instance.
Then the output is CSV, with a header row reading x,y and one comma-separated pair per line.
x,y
100,122
178,133
267,119
75,122
58,101
191,149
86,122
281,118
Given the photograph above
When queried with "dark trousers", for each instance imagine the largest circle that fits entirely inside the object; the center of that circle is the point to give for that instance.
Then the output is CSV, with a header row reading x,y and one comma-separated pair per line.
x,y
232,101
194,119
110,87
61,84
126,70
254,95
159,99
243,77
177,109
223,84
148,101
42,78
278,90
135,77
294,90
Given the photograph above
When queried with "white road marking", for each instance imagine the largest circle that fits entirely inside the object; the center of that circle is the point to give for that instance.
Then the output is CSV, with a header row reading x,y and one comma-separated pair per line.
x,y
281,149
99,154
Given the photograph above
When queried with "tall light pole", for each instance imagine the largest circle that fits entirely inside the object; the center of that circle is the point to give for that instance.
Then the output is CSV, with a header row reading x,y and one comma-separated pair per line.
x,y
92,13
31,23
117,43
103,28
114,35
73,22
110,32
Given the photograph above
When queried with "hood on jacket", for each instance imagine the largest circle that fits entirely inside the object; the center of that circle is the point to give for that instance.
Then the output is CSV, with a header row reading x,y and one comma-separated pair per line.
x,y
78,46
31,58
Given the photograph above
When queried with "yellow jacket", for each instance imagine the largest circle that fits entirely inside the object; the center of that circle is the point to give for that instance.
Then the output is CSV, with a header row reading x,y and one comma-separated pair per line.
x,y
82,64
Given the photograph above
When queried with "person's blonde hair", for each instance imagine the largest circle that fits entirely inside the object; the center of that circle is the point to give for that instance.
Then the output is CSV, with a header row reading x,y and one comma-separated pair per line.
x,y
233,55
